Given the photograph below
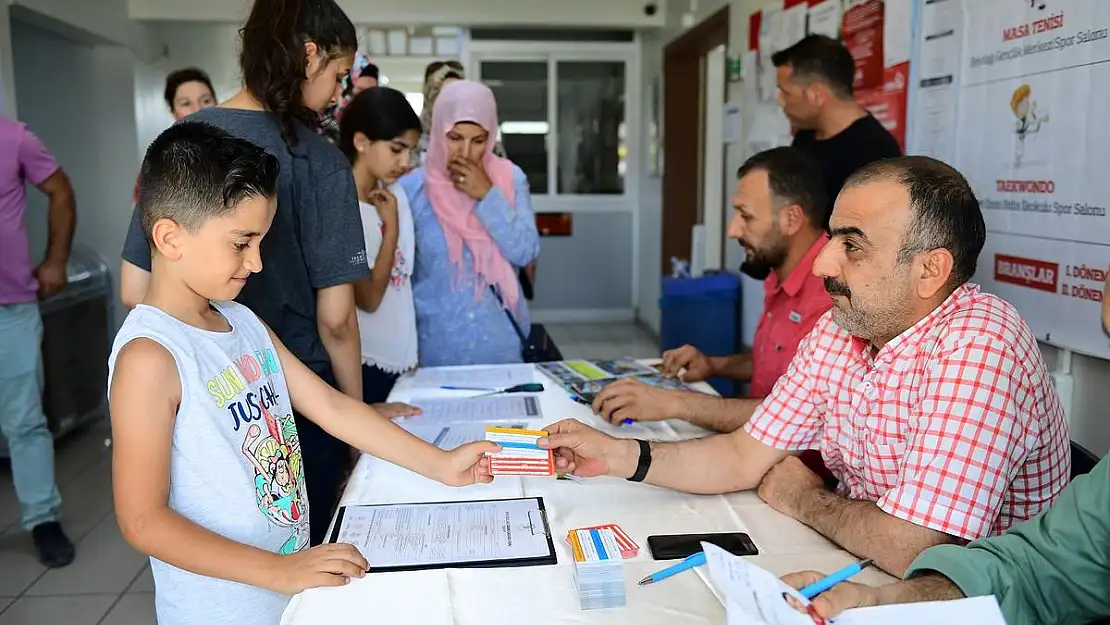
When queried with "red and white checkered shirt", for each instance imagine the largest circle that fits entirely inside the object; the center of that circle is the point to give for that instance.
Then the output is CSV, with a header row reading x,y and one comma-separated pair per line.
x,y
954,425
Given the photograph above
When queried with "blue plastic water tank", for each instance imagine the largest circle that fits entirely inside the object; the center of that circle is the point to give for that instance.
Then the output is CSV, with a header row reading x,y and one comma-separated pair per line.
x,y
703,312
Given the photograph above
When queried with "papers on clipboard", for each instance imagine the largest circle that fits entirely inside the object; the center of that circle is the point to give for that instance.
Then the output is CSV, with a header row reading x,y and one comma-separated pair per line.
x,y
405,537
495,408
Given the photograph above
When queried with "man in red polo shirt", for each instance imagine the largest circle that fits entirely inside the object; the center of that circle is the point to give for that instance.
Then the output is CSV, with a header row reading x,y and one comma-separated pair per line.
x,y
928,399
778,212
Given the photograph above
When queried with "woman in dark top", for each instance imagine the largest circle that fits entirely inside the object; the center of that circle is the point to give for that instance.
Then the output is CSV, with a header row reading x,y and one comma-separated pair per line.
x,y
294,54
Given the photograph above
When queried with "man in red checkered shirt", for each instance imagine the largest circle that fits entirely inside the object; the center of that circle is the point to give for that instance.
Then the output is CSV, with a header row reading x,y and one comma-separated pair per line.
x,y
927,398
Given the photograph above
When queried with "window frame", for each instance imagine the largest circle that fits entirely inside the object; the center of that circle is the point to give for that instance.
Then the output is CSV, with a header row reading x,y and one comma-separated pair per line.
x,y
554,53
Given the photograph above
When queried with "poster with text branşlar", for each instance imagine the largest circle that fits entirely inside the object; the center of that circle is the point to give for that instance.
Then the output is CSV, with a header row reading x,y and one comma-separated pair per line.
x,y
1032,122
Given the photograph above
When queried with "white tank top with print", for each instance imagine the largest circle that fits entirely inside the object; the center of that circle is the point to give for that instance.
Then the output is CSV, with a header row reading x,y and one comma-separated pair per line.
x,y
235,466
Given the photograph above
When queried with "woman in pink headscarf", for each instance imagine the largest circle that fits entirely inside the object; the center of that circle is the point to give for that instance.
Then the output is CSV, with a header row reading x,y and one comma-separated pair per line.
x,y
474,225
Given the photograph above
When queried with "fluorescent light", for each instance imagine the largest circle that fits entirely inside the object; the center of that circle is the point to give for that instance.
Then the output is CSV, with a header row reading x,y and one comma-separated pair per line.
x,y
525,128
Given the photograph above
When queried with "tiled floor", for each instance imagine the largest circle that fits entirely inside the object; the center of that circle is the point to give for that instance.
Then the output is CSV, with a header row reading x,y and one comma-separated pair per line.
x,y
110,583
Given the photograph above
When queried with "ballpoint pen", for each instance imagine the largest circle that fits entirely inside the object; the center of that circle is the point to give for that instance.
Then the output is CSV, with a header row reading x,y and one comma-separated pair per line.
x,y
520,388
821,585
690,562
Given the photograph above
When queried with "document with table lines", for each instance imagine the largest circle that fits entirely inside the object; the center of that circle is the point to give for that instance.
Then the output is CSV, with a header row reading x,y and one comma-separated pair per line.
x,y
499,408
441,535
451,435
480,377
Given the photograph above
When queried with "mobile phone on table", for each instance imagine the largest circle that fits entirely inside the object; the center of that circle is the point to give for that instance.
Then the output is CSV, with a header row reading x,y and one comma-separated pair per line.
x,y
679,546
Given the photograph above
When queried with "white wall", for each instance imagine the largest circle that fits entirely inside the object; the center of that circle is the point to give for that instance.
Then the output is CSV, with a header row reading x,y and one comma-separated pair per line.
x,y
92,136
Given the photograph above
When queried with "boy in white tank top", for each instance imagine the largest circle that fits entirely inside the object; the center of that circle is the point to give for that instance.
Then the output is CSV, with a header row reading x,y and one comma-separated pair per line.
x,y
208,478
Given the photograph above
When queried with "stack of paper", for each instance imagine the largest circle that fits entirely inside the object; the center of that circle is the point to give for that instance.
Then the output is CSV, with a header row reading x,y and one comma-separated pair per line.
x,y
598,570
519,455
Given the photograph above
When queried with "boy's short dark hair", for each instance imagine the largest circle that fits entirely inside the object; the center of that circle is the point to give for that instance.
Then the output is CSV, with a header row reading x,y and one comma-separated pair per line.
x,y
820,58
195,171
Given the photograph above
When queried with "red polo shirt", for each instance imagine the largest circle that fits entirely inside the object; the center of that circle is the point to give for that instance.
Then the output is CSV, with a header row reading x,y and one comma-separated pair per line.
x,y
790,310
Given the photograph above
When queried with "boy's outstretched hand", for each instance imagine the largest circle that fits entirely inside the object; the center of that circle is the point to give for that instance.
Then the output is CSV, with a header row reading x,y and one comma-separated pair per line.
x,y
326,565
467,464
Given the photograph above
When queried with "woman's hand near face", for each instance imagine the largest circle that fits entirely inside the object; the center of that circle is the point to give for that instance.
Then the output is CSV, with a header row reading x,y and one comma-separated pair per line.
x,y
469,177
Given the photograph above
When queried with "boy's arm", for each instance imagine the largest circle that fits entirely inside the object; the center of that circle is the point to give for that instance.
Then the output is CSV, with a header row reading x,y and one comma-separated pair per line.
x,y
144,397
359,425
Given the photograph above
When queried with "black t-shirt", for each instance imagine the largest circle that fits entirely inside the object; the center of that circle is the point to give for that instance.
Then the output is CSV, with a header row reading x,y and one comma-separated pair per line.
x,y
314,243
839,156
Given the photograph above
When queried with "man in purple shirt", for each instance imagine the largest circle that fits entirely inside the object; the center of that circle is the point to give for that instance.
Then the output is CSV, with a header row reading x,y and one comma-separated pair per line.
x,y
23,158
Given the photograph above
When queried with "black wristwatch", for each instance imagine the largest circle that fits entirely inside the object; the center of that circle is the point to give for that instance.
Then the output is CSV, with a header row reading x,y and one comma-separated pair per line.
x,y
644,464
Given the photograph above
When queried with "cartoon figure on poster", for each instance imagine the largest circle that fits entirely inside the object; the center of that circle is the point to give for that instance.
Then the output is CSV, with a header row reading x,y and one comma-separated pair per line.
x,y
280,494
1028,121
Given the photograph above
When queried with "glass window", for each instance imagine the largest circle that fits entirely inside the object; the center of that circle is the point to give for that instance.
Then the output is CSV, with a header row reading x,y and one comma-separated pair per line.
x,y
521,92
592,134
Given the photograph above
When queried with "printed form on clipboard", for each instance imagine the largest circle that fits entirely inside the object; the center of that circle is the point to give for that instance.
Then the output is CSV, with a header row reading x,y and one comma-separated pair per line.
x,y
754,596
460,534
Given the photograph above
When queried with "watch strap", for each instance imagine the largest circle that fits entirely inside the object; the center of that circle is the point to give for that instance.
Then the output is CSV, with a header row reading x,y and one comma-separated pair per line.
x,y
644,463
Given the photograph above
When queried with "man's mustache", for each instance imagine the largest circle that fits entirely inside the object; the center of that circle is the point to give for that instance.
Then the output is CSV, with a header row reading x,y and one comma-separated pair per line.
x,y
835,287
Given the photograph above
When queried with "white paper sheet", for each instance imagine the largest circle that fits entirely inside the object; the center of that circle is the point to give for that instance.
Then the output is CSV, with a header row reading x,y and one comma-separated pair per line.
x,y
753,596
450,436
824,19
476,409
480,377
897,31
446,533
792,26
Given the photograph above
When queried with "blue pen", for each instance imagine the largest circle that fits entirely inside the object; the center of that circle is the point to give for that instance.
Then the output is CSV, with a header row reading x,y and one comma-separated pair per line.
x,y
821,585
690,562
466,388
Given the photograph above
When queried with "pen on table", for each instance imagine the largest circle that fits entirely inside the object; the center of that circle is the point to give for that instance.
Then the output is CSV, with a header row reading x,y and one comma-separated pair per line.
x,y
821,585
690,562
467,388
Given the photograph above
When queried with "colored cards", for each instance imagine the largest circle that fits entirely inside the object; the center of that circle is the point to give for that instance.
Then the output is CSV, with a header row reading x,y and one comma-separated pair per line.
x,y
628,547
519,455
598,570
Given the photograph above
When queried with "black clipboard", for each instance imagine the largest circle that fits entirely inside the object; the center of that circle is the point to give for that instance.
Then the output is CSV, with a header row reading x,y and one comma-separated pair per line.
x,y
539,524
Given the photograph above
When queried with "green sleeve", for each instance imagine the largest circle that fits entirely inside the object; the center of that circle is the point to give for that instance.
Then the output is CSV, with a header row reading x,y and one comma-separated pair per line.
x,y
1052,569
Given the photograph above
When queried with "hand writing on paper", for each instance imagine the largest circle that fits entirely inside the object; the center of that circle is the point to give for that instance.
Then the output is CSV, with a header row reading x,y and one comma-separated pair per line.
x,y
583,451
631,399
785,485
327,565
698,367
392,410
468,464
832,602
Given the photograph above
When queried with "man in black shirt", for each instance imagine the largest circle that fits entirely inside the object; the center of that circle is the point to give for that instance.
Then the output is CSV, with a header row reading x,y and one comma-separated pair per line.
x,y
815,79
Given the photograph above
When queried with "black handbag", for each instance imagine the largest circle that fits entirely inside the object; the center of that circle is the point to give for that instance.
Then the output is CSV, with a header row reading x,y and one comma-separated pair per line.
x,y
537,347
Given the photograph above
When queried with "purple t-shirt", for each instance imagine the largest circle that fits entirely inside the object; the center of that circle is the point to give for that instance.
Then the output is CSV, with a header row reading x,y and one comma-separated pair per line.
x,y
22,157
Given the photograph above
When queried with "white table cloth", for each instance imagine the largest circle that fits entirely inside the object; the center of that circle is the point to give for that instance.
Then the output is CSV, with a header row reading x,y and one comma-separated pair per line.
x,y
546,595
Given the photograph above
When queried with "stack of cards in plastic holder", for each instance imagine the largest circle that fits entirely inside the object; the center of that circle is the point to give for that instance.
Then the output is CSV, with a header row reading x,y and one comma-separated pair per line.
x,y
598,570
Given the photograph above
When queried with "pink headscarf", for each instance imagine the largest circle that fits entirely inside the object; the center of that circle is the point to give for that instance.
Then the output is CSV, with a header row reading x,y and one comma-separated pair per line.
x,y
465,101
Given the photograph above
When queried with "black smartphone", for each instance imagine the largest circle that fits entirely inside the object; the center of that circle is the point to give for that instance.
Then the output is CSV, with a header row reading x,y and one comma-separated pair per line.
x,y
679,546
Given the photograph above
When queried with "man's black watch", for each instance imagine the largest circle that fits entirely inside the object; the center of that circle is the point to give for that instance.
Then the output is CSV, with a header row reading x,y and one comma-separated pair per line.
x,y
644,463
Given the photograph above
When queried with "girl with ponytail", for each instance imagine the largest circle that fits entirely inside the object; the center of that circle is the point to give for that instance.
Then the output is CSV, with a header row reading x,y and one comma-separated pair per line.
x,y
294,56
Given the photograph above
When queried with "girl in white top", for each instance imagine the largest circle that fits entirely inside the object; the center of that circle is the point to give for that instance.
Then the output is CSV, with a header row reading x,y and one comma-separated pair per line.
x,y
207,467
378,133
